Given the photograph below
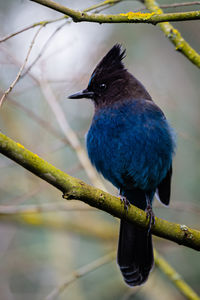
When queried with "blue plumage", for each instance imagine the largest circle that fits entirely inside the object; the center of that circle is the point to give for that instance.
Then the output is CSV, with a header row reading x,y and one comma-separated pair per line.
x,y
131,144
131,139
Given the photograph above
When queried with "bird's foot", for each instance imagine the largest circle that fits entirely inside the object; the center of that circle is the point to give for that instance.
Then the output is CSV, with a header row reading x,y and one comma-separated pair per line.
x,y
150,215
124,201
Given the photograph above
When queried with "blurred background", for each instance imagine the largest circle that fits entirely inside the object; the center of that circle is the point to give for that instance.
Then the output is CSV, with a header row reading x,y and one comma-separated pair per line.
x,y
41,248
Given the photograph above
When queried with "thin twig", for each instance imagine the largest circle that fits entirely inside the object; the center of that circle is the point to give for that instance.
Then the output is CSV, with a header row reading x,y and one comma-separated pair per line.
x,y
44,48
83,226
42,121
70,134
80,273
176,279
103,5
42,208
172,5
21,69
174,35
41,23
180,4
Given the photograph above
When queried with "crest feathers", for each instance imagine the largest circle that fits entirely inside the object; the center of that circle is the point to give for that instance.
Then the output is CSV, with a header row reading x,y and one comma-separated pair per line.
x,y
114,57
111,62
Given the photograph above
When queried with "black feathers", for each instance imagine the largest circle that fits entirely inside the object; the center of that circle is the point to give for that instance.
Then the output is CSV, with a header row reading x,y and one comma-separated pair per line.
x,y
164,188
110,63
113,59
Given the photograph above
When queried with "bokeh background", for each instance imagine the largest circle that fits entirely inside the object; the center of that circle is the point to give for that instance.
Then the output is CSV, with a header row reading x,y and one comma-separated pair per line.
x,y
41,250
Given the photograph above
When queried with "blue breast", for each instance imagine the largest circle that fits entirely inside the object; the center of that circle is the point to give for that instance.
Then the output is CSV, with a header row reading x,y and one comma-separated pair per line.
x,y
131,144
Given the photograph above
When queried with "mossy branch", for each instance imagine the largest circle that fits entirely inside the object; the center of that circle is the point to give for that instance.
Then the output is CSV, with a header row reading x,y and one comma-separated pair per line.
x,y
155,16
130,17
73,188
174,35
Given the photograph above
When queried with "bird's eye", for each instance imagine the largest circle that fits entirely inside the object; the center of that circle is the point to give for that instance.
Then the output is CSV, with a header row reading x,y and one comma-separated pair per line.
x,y
102,86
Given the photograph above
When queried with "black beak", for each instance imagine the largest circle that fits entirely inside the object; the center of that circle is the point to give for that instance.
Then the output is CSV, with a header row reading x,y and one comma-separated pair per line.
x,y
82,94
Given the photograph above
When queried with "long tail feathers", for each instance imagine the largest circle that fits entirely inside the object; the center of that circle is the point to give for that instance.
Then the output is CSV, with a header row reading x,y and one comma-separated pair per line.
x,y
135,250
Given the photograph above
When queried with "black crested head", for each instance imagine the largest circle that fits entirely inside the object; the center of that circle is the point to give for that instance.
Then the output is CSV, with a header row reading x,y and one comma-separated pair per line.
x,y
111,62
111,82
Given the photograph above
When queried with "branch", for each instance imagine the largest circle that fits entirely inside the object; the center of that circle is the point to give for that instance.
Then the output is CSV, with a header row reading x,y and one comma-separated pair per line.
x,y
43,48
103,5
70,135
53,221
176,279
174,35
80,273
160,262
130,17
76,189
41,23
172,5
21,69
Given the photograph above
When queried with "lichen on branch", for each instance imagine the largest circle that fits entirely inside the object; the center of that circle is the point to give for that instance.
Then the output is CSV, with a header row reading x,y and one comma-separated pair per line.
x,y
137,17
174,35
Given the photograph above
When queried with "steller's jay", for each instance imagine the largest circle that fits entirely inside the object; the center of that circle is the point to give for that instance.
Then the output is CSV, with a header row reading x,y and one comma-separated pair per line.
x,y
131,143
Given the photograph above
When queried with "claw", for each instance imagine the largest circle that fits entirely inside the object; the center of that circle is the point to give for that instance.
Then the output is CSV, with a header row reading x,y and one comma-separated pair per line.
x,y
150,215
124,200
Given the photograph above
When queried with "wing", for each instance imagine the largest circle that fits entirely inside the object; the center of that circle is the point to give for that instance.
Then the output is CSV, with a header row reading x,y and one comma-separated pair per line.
x,y
164,188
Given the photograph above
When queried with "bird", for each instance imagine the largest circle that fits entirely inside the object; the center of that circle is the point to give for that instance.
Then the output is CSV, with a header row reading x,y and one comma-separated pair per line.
x,y
131,143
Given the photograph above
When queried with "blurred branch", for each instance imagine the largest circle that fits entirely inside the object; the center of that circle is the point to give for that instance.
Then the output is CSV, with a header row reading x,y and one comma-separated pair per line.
x,y
104,5
70,134
185,207
174,35
174,5
156,16
78,190
42,208
44,124
21,69
176,279
130,17
51,221
44,48
80,273
160,262
41,23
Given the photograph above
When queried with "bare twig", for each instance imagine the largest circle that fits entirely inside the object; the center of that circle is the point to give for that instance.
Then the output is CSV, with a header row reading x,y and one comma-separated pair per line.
x,y
41,23
180,4
102,5
173,5
176,279
43,208
70,134
44,48
48,126
174,35
21,69
80,273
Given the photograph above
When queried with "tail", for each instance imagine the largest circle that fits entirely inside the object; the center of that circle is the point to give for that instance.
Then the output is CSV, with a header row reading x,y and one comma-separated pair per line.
x,y
135,250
